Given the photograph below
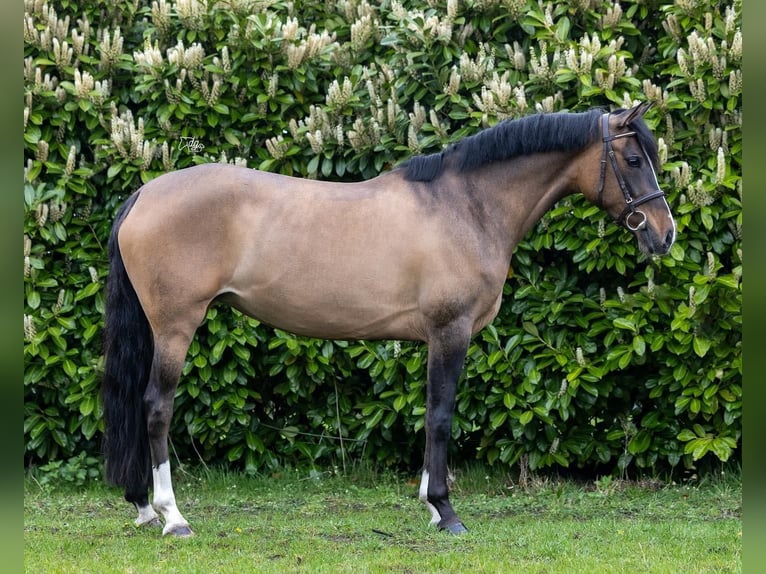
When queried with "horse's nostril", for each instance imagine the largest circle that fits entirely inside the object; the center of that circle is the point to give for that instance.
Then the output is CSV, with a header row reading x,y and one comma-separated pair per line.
x,y
669,238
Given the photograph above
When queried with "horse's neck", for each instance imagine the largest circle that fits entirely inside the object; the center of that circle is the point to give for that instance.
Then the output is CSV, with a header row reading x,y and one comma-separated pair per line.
x,y
519,191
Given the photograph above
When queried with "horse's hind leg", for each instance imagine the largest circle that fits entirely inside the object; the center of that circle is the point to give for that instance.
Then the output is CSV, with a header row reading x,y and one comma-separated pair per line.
x,y
146,514
169,354
138,495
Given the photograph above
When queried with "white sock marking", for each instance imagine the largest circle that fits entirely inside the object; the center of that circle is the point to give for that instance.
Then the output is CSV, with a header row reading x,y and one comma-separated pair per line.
x,y
423,495
164,498
145,514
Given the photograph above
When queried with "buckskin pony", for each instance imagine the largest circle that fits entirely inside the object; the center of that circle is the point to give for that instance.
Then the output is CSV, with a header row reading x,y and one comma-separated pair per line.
x,y
418,253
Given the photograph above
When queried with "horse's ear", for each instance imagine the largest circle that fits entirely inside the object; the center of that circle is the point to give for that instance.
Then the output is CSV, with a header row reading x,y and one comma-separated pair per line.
x,y
624,118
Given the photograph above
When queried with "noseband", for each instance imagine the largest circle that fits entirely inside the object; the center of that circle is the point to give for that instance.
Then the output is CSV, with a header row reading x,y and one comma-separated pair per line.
x,y
630,208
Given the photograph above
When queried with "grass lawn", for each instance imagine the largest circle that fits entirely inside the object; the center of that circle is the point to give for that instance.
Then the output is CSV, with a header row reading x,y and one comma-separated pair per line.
x,y
316,523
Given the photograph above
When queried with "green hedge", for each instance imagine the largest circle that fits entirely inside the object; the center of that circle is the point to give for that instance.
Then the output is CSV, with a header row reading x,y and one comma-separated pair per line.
x,y
600,358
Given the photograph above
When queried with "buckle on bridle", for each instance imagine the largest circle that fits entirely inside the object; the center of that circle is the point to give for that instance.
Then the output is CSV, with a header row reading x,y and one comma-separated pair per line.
x,y
640,225
630,210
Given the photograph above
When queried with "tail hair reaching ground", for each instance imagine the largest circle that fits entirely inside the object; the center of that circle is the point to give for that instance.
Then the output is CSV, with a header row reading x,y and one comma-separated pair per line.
x,y
128,347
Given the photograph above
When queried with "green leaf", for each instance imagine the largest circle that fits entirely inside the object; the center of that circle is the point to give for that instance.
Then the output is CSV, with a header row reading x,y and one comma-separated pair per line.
x,y
254,442
639,345
707,218
217,351
235,453
562,29
88,291
67,323
313,166
721,449
526,417
229,374
242,352
327,166
728,281
89,427
413,364
701,346
375,419
34,171
113,170
497,418
33,299
494,357
86,406
70,369
686,435
698,447
530,328
90,332
231,137
640,443
677,251
623,323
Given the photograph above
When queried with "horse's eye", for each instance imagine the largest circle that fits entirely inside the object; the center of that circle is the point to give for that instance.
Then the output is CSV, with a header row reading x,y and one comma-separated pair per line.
x,y
634,161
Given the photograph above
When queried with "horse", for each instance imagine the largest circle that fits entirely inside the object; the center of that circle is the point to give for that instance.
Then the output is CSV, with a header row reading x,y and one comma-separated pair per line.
x,y
421,252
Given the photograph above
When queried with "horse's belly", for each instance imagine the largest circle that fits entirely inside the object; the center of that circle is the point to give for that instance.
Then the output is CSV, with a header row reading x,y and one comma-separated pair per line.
x,y
330,315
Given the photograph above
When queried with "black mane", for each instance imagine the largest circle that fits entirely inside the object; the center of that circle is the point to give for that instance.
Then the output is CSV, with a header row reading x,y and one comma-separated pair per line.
x,y
537,133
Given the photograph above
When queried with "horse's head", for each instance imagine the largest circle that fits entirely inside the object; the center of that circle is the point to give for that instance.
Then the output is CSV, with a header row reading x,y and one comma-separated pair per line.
x,y
627,186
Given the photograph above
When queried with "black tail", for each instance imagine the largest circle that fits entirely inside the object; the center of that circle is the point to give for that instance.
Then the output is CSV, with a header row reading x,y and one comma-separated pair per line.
x,y
128,347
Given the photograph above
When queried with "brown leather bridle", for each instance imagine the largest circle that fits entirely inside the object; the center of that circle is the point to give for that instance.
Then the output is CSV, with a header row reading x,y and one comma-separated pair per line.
x,y
631,202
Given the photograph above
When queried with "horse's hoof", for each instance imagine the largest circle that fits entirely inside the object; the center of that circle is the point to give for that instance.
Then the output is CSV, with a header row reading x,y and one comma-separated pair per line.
x,y
153,523
178,530
455,528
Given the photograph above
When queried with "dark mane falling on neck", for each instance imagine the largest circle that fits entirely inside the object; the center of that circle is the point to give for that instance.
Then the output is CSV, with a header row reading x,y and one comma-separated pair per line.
x,y
537,133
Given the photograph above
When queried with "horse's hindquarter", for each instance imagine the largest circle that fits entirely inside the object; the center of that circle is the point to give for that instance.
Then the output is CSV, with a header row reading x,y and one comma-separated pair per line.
x,y
320,259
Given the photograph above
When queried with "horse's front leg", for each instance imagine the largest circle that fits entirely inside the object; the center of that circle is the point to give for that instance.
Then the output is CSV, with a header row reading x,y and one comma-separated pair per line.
x,y
446,355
